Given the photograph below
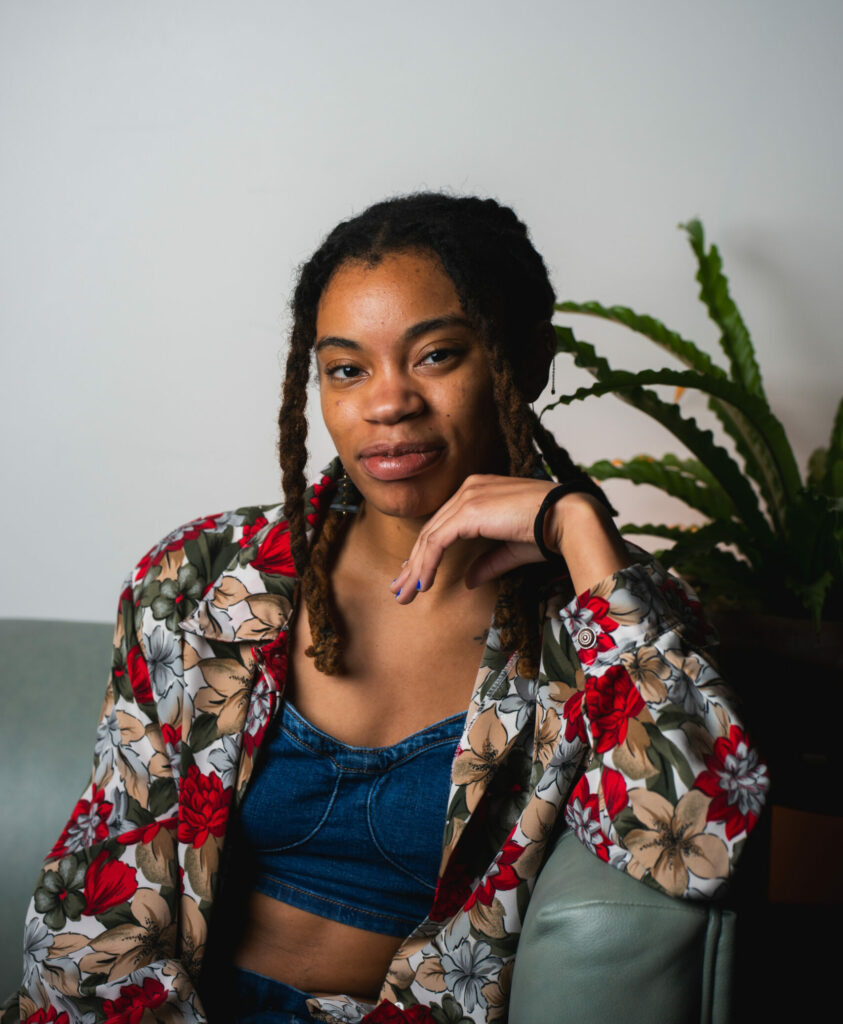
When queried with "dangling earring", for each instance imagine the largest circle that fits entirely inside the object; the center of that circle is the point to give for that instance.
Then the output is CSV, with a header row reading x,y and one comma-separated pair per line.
x,y
553,376
346,498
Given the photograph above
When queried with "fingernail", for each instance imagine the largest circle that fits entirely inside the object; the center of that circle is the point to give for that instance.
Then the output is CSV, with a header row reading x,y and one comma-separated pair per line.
x,y
398,594
418,584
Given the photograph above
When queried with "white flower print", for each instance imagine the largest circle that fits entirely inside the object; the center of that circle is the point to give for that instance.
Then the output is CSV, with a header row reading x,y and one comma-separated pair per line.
x,y
259,707
467,969
107,742
37,940
586,829
523,701
163,656
224,760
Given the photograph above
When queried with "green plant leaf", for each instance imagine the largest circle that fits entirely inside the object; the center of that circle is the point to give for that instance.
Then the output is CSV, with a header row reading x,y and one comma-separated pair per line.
x,y
722,578
817,467
692,467
710,499
833,478
813,595
699,442
759,463
690,539
654,530
686,351
714,293
755,411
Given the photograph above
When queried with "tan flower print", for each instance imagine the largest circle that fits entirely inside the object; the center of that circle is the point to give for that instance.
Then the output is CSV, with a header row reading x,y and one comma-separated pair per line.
x,y
474,767
128,947
673,841
537,823
227,694
547,735
648,669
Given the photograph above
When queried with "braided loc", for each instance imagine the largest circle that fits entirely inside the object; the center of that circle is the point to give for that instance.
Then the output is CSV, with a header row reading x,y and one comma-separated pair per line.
x,y
504,289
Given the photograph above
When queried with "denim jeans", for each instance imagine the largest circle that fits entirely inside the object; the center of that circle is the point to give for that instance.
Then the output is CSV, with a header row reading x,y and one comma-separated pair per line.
x,y
262,1000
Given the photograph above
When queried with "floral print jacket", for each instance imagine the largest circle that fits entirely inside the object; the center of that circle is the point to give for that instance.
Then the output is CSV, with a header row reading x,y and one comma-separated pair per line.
x,y
627,732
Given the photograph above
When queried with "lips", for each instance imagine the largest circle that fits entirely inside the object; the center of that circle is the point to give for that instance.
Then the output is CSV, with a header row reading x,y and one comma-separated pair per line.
x,y
385,461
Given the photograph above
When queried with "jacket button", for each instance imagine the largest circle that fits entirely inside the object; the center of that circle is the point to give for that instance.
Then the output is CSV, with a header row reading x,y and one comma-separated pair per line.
x,y
586,638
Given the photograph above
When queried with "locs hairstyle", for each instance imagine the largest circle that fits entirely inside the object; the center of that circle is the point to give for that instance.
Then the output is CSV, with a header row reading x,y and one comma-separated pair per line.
x,y
503,286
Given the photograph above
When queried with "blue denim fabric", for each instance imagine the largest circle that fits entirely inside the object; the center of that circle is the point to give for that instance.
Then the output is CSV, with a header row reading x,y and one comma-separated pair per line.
x,y
262,1000
353,834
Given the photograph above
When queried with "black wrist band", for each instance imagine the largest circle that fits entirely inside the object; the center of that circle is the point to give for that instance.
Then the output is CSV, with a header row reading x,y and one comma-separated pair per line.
x,y
550,499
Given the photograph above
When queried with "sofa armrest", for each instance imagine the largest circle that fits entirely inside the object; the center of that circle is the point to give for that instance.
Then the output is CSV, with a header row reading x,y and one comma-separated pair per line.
x,y
599,945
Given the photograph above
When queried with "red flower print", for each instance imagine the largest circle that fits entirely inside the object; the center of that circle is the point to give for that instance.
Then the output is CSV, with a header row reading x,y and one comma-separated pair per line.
x,y
134,1001
572,713
318,499
737,782
675,591
274,555
591,616
107,883
173,541
615,795
51,1016
261,705
250,531
611,700
139,675
452,890
502,875
275,658
171,735
389,1013
88,824
583,816
146,833
204,806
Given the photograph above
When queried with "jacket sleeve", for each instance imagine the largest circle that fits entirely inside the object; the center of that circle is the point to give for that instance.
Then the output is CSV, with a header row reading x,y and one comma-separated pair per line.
x,y
672,785
109,934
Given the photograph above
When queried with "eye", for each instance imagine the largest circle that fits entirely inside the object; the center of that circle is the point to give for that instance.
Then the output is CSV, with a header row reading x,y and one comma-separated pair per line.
x,y
342,371
438,356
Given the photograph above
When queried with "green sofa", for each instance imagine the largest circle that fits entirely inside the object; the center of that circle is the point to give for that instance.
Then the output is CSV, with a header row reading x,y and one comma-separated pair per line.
x,y
597,945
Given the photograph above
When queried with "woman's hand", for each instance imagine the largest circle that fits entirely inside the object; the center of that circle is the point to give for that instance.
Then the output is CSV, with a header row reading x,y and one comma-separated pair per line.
x,y
503,509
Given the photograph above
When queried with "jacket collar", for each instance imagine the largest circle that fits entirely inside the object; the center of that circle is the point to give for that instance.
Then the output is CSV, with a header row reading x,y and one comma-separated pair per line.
x,y
252,598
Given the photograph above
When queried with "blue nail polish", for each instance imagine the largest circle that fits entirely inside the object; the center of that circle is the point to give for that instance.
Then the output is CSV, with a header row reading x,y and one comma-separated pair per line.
x,y
418,584
398,594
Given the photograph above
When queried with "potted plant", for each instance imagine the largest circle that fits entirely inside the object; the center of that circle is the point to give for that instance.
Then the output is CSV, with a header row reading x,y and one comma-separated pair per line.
x,y
769,558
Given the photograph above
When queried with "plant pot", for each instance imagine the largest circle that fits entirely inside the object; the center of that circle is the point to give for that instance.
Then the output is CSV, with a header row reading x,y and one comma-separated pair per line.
x,y
790,682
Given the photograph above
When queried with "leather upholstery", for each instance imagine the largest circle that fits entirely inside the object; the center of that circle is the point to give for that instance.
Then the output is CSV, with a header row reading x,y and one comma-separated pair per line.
x,y
599,946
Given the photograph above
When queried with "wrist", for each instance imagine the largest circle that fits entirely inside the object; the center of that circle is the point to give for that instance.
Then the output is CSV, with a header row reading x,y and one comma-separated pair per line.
x,y
579,528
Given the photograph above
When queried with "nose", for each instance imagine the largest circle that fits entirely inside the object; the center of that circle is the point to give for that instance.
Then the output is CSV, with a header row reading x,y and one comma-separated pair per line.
x,y
392,397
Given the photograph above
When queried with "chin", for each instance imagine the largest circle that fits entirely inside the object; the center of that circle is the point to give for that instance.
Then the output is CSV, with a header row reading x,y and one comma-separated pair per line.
x,y
404,501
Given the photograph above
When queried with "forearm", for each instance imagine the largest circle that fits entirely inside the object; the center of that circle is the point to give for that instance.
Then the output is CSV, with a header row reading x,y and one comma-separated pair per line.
x,y
581,530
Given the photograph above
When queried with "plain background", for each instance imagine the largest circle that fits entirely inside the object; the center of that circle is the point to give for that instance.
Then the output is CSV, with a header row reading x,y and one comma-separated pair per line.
x,y
166,166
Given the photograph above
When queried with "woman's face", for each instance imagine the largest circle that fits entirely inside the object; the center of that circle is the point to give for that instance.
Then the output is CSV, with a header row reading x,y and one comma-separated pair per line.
x,y
405,384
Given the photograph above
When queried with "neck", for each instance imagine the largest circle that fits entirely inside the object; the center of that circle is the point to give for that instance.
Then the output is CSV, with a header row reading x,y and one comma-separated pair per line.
x,y
384,542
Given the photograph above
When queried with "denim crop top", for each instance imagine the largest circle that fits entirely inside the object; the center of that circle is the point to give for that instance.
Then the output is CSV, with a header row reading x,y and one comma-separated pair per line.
x,y
353,834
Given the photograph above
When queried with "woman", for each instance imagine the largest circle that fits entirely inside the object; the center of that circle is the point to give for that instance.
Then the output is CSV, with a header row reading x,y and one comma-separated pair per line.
x,y
284,734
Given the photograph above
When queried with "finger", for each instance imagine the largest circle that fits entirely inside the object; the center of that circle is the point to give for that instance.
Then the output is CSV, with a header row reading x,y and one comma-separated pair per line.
x,y
433,541
460,518
493,564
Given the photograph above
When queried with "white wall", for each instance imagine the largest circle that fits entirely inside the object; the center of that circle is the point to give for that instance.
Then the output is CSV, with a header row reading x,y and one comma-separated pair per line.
x,y
165,167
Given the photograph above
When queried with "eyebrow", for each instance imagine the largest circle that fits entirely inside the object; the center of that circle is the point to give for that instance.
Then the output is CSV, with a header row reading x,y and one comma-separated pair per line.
x,y
411,334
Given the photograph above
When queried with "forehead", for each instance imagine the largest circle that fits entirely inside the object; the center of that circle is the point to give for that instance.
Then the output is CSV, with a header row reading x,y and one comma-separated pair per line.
x,y
400,287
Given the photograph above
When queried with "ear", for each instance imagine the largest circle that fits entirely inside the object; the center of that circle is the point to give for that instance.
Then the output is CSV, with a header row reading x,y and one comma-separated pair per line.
x,y
534,368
